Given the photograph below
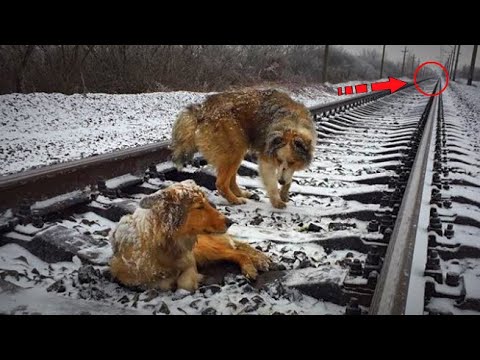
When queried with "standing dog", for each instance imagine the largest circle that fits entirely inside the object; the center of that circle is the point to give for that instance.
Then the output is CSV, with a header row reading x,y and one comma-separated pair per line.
x,y
227,125
156,246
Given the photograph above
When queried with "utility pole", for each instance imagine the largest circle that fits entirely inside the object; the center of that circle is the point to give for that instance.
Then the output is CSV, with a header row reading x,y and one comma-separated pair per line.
x,y
403,63
383,59
453,62
413,64
472,66
325,62
456,62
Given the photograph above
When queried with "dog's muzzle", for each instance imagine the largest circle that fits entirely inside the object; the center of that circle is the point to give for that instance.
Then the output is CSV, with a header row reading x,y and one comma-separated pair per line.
x,y
228,222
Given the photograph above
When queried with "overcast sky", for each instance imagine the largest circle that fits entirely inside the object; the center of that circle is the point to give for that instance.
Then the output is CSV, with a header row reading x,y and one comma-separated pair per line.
x,y
424,52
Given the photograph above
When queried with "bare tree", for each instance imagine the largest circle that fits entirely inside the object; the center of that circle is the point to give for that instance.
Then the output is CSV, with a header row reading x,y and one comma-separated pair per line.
x,y
138,68
25,53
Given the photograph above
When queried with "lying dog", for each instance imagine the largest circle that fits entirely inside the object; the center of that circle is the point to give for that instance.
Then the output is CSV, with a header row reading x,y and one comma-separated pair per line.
x,y
269,123
173,231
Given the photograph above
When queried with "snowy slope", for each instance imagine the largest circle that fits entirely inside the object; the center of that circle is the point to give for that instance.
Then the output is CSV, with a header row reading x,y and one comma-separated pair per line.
x,y
41,129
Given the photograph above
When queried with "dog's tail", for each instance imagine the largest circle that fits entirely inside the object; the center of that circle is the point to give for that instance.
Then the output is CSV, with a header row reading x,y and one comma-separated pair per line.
x,y
183,136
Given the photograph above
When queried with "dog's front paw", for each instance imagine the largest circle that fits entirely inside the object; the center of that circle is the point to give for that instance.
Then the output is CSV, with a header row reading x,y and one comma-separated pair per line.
x,y
188,280
189,285
246,194
165,284
262,262
249,271
278,203
238,201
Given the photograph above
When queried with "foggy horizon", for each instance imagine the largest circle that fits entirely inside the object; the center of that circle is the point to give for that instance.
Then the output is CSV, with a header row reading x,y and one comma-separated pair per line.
x,y
423,52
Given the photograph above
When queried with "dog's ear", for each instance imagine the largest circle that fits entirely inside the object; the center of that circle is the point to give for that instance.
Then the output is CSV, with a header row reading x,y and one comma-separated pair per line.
x,y
302,149
148,201
169,207
274,142
172,214
189,182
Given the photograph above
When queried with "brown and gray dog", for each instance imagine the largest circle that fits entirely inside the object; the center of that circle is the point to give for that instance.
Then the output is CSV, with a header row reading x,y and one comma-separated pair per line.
x,y
227,125
173,231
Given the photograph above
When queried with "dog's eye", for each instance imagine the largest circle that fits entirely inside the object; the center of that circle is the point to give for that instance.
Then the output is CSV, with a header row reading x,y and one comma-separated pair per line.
x,y
299,144
276,142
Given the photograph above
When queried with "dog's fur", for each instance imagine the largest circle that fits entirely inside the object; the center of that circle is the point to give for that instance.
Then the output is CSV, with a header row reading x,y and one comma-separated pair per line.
x,y
227,125
155,247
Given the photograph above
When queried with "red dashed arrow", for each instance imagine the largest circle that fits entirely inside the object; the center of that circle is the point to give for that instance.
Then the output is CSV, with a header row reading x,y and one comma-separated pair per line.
x,y
392,84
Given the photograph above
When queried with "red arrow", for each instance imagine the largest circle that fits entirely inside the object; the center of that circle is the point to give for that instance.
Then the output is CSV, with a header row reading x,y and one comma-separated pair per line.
x,y
392,84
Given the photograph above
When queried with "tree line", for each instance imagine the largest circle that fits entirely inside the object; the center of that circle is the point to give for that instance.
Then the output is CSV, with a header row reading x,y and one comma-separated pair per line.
x,y
147,68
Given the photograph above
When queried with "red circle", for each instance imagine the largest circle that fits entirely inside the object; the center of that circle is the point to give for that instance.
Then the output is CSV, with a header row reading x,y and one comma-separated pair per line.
x,y
418,69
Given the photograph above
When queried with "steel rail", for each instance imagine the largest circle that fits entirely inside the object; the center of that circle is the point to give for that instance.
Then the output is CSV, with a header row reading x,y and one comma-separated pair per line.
x,y
48,181
391,292
341,105
39,184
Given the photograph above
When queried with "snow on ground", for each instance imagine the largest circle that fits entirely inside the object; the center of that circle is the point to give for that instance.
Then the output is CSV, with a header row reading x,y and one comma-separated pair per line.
x,y
462,120
283,234
471,94
109,122
28,285
42,129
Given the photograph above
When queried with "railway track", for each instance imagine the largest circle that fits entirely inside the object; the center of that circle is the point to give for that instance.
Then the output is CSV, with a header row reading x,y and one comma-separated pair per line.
x,y
383,222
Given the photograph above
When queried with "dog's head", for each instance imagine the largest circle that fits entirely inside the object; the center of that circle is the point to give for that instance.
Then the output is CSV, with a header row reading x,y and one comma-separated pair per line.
x,y
183,210
290,150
